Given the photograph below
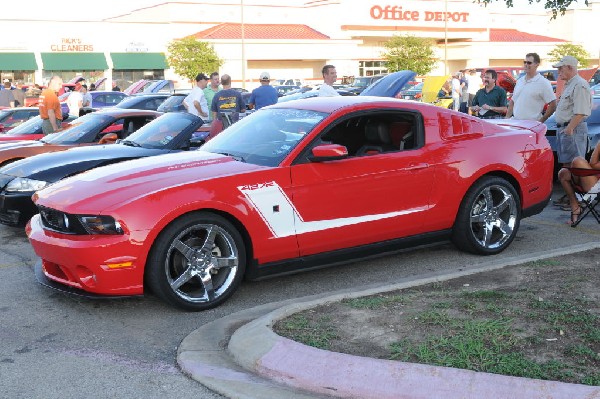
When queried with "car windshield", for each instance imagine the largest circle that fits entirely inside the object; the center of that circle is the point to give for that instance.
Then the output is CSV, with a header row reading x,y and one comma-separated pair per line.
x,y
79,128
5,114
361,81
265,137
171,104
162,131
129,102
297,96
33,125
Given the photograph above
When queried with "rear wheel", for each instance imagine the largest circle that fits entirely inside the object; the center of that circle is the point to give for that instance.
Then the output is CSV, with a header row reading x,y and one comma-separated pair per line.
x,y
197,262
488,218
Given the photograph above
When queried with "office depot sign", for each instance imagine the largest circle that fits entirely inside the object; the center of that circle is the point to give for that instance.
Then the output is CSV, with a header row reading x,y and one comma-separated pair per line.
x,y
398,13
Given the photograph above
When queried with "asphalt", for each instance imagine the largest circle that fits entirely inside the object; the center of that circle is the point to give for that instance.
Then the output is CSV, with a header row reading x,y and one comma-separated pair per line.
x,y
239,356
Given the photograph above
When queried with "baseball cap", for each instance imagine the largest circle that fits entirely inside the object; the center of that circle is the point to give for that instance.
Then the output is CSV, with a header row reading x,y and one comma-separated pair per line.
x,y
265,76
6,81
201,76
566,60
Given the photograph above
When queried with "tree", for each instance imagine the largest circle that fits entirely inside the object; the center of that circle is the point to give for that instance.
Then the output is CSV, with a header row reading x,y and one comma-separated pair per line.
x,y
409,53
575,50
555,6
188,57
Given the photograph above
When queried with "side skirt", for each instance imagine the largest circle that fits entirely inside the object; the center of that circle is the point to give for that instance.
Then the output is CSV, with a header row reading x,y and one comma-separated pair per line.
x,y
348,255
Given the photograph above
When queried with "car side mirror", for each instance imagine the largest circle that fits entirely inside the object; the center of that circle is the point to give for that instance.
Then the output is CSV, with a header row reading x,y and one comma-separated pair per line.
x,y
328,152
108,138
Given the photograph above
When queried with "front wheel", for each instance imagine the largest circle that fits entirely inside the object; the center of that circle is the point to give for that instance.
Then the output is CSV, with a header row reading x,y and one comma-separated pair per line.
x,y
488,218
197,262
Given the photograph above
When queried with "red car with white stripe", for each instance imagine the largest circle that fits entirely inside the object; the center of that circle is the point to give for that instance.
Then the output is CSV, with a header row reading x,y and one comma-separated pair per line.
x,y
294,185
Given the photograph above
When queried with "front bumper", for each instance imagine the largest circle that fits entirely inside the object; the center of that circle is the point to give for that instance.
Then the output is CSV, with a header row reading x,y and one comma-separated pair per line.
x,y
105,265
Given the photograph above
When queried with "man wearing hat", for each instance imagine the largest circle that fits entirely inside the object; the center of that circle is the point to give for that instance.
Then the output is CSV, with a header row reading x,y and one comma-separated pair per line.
x,y
263,95
573,108
195,103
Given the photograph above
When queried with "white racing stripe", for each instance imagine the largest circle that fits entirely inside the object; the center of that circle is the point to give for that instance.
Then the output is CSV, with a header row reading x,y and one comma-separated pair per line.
x,y
280,215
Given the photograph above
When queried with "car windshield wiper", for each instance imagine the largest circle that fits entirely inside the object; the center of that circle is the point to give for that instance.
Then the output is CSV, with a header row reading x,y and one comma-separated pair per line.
x,y
236,157
131,143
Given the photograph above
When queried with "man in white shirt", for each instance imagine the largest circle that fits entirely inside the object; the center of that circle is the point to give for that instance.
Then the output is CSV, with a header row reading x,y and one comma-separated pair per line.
x,y
195,103
474,83
531,94
75,101
329,78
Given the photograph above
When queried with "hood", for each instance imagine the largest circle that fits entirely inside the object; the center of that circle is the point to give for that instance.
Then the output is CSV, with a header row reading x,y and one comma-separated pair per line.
x,y
99,189
55,166
389,85
432,86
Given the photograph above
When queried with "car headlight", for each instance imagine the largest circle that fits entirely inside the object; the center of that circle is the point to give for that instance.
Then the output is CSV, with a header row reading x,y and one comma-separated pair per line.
x,y
100,225
21,184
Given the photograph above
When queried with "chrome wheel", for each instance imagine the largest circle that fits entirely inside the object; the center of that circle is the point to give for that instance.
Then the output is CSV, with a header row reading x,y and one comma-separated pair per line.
x,y
493,217
488,218
197,262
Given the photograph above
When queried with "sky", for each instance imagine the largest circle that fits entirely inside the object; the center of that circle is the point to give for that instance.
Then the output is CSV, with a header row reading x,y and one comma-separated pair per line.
x,y
112,8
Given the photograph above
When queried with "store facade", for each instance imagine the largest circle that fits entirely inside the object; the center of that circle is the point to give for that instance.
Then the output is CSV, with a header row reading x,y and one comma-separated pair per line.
x,y
290,41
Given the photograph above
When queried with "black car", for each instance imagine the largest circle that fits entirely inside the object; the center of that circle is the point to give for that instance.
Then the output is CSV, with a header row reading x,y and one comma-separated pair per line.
x,y
171,132
362,82
149,101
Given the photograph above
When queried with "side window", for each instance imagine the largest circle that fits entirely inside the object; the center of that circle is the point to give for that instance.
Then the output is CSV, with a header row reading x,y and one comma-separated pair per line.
x,y
374,134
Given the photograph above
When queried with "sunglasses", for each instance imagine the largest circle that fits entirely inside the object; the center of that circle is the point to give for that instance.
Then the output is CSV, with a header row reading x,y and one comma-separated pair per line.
x,y
528,62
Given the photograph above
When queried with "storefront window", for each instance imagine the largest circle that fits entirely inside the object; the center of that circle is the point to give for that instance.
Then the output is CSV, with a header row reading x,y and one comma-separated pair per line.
x,y
370,68
89,76
17,76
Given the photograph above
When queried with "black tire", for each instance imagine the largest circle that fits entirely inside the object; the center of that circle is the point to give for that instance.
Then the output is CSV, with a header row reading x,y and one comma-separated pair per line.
x,y
488,218
183,266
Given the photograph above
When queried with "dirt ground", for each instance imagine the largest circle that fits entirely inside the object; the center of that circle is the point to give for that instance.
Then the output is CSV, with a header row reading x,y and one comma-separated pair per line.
x,y
553,308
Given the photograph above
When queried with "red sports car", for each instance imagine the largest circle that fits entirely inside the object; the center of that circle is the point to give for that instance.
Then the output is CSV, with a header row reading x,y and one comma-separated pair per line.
x,y
294,185
31,130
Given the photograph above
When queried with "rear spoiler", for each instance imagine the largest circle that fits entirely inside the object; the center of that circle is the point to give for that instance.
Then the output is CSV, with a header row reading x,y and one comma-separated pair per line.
x,y
536,127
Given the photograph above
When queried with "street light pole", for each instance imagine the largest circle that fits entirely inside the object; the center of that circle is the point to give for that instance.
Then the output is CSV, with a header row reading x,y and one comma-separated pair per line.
x,y
446,37
243,45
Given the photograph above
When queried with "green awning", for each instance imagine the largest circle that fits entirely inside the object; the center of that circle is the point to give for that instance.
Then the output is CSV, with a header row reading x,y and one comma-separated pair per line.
x,y
139,61
17,62
74,61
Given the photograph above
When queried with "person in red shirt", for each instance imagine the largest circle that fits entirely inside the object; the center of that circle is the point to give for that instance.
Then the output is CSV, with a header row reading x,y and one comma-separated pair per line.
x,y
49,106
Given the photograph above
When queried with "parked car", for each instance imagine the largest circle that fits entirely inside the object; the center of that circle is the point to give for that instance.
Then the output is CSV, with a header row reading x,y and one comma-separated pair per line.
x,y
100,127
282,90
412,91
174,103
270,195
143,101
160,86
137,87
13,117
310,93
100,99
31,129
361,82
20,179
596,90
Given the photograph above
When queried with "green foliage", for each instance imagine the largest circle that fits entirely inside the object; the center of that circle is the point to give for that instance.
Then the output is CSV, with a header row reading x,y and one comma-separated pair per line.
x,y
409,53
556,6
575,50
189,57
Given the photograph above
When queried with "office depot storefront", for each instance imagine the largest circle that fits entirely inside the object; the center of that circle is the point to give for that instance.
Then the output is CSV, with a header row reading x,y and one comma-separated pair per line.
x,y
293,40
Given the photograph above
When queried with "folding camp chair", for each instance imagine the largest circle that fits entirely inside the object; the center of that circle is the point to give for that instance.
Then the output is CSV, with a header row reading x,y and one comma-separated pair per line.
x,y
589,198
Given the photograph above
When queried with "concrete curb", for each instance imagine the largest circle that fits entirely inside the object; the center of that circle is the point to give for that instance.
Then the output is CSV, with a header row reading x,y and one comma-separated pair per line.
x,y
255,362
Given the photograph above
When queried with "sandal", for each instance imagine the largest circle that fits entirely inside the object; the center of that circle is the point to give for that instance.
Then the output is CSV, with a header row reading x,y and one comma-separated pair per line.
x,y
575,217
568,207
